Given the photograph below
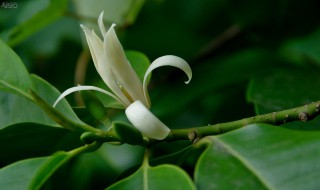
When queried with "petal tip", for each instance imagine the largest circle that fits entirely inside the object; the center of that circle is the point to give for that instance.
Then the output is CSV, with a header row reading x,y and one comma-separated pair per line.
x,y
84,28
100,16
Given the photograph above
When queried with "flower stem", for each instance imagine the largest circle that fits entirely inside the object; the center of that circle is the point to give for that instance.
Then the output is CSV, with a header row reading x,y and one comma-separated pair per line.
x,y
86,148
302,113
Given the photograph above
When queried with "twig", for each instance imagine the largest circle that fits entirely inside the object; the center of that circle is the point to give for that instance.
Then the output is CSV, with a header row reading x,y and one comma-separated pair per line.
x,y
302,113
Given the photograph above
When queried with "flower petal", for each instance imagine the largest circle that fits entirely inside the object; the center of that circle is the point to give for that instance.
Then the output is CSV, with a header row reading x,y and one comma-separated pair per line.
x,y
147,123
121,68
101,24
79,88
100,62
167,60
95,45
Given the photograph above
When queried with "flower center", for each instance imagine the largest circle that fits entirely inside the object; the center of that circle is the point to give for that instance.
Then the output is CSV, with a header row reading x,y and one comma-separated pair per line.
x,y
125,92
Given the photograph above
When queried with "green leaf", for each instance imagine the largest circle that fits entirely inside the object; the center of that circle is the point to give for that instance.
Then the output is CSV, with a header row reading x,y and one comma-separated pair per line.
x,y
35,172
304,49
175,158
38,21
227,70
31,173
260,157
30,136
50,94
14,77
139,62
283,89
95,107
46,169
18,109
152,178
18,175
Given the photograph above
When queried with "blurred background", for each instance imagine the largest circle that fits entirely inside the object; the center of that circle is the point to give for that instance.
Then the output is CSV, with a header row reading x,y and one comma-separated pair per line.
x,y
248,57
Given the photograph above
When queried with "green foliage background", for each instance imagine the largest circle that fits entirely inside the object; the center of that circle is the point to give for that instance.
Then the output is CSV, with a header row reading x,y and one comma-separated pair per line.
x,y
248,57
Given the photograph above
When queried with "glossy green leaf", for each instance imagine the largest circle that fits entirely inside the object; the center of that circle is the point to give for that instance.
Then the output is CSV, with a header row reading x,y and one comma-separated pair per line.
x,y
153,178
260,157
55,9
50,94
31,173
30,136
18,175
14,77
41,169
17,109
48,167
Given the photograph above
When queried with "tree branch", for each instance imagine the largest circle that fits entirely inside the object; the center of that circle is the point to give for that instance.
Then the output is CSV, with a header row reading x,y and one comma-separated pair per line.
x,y
302,113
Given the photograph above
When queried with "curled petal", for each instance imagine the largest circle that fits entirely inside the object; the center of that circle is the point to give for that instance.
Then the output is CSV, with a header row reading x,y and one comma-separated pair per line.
x,y
167,60
79,88
147,123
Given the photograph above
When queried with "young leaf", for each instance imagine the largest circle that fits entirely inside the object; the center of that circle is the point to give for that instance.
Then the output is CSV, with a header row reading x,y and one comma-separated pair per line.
x,y
260,157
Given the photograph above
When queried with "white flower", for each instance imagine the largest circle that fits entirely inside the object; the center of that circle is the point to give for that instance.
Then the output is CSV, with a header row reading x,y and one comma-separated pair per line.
x,y
115,70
